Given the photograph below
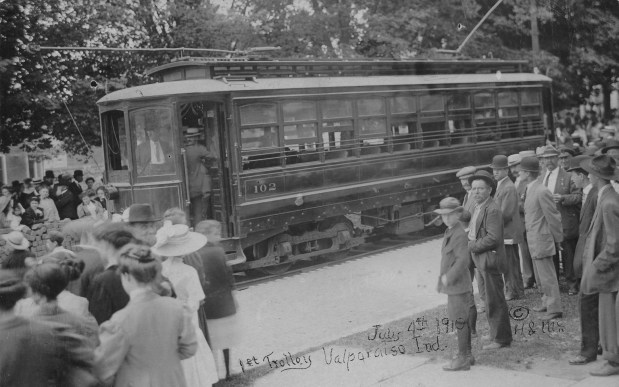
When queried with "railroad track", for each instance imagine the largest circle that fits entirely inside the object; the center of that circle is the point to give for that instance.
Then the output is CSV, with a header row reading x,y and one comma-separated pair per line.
x,y
374,246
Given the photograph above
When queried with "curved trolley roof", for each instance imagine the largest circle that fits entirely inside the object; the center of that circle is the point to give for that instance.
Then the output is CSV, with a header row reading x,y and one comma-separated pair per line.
x,y
198,86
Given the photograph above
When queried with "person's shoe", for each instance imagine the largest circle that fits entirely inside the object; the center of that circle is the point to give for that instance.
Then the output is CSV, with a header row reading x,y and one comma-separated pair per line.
x,y
494,345
581,360
551,316
600,350
540,309
460,363
607,369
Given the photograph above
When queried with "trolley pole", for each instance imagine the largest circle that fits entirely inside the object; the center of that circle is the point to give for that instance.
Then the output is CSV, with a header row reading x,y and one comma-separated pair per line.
x,y
534,29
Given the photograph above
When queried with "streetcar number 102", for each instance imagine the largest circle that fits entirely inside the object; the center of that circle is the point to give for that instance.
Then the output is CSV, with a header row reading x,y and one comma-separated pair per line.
x,y
262,188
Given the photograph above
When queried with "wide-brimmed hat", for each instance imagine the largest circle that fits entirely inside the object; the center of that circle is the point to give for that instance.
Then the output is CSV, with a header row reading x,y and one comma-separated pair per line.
x,y
499,162
16,240
466,172
610,144
567,149
483,175
574,163
141,213
448,205
529,164
602,166
549,151
526,153
175,240
192,132
513,160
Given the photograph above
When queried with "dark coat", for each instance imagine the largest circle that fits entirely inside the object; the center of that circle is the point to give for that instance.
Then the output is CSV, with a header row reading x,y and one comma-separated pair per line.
x,y
106,295
93,265
586,216
601,251
489,239
569,205
66,205
455,262
506,198
30,217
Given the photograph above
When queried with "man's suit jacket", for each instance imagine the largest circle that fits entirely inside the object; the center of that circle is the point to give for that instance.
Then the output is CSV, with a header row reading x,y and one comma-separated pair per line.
x,y
455,262
602,247
469,206
65,203
586,216
506,198
488,248
142,345
542,221
569,205
106,295
144,154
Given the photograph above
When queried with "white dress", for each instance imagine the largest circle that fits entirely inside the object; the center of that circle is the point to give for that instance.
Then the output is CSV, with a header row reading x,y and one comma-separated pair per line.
x,y
200,370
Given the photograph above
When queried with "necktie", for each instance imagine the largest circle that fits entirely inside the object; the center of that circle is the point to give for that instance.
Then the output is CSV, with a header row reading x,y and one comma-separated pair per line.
x,y
547,178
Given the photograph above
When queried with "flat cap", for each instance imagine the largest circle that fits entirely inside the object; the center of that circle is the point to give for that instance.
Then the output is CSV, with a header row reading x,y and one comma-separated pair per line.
x,y
513,159
465,172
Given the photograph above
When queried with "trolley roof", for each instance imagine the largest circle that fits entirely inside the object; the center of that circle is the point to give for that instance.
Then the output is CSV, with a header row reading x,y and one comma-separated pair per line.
x,y
223,85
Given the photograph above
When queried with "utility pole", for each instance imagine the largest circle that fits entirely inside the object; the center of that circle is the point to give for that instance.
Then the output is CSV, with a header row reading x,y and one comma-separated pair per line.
x,y
534,30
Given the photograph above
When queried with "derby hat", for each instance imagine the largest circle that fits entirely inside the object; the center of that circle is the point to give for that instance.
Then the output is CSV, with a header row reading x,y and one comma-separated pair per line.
x,y
610,144
499,162
16,240
49,175
483,175
141,213
448,205
466,172
574,163
549,151
567,149
602,166
174,240
78,172
526,153
513,160
529,164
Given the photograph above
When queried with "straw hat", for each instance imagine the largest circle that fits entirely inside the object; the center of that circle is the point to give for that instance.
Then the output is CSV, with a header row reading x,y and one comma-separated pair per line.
x,y
16,240
175,240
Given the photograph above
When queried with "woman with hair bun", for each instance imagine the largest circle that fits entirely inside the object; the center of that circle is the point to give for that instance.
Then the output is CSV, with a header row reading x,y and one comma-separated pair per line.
x,y
128,355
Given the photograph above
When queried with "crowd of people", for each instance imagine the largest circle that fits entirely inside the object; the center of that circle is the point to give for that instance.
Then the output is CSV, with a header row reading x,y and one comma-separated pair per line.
x,y
24,204
144,302
574,130
541,212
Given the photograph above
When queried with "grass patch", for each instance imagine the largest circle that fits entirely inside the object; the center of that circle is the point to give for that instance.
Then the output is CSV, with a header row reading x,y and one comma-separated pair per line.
x,y
535,343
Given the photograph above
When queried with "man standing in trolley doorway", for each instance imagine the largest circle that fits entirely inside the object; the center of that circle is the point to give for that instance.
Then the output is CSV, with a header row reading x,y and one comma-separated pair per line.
x,y
200,183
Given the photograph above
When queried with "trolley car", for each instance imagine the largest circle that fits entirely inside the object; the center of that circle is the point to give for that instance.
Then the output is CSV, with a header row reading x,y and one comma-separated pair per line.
x,y
309,153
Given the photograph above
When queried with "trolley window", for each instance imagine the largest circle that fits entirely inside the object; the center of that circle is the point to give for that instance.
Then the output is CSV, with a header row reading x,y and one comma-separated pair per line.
x,y
115,135
258,113
371,106
155,142
299,111
403,105
300,131
336,108
508,113
432,103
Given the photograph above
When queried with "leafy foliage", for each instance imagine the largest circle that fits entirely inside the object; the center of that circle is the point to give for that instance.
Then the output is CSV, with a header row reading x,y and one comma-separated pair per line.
x,y
578,40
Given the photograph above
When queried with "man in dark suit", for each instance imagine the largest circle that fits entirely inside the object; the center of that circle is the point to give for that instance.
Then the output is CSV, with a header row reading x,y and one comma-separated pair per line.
x,y
155,156
65,201
486,244
506,198
601,258
543,224
589,322
567,199
454,279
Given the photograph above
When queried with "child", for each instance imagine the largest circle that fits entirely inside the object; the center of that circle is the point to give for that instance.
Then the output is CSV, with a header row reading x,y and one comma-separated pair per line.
x,y
33,214
455,280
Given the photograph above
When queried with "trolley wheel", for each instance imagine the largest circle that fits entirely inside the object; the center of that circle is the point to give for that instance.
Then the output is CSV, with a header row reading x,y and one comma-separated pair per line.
x,y
275,269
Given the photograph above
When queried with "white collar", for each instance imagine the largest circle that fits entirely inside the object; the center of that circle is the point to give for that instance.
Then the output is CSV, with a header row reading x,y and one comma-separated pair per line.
x,y
587,189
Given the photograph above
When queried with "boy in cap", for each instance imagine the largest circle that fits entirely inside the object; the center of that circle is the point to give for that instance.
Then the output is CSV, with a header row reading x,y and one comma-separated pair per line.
x,y
543,226
454,280
588,303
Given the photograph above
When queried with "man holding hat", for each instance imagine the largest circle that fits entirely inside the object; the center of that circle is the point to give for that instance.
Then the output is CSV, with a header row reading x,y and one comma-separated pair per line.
x,y
468,205
455,281
588,303
601,258
543,226
486,244
199,178
567,199
506,198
